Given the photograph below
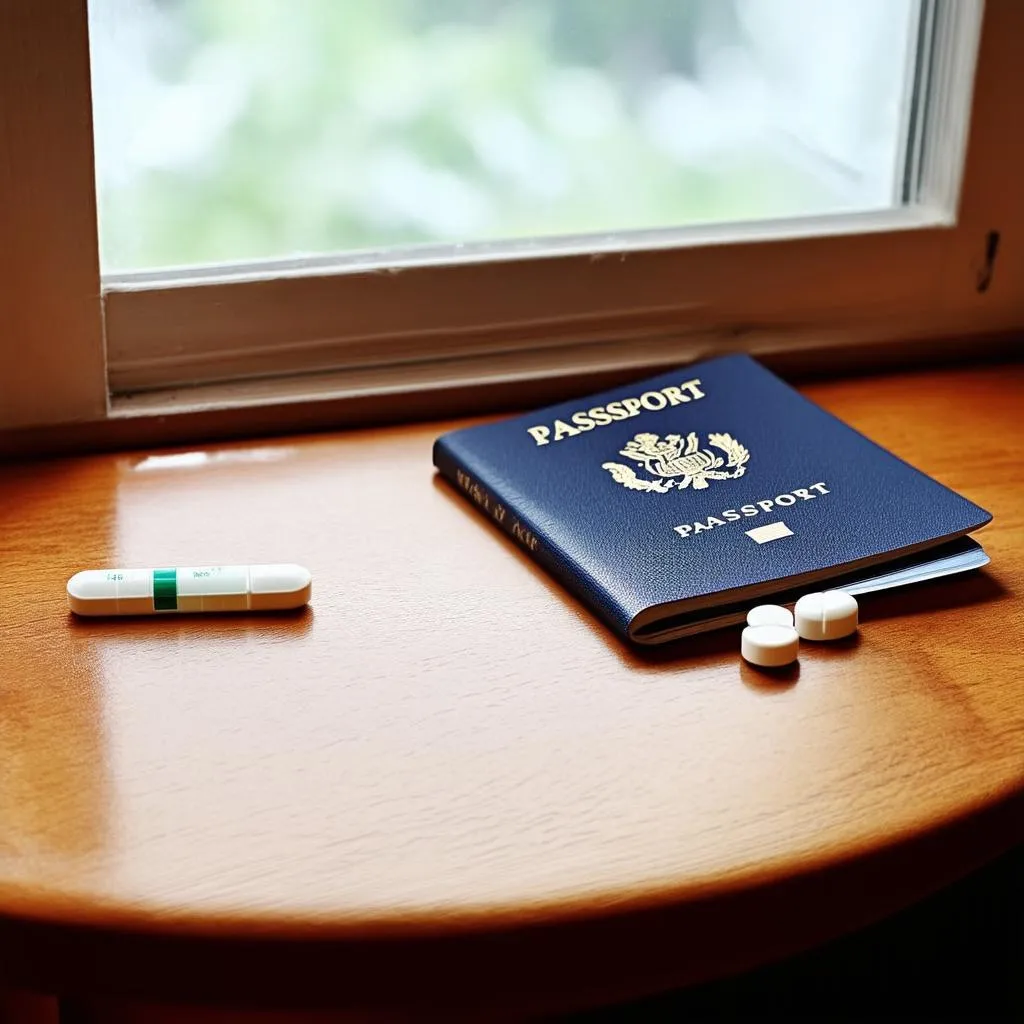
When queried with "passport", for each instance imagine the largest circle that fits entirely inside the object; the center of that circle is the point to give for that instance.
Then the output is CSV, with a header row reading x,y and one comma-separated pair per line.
x,y
670,505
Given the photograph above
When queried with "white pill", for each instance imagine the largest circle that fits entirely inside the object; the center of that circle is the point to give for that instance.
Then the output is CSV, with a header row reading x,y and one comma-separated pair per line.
x,y
769,646
769,615
828,616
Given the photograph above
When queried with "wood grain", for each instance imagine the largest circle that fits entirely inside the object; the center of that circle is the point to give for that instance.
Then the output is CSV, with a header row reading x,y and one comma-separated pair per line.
x,y
447,761
26,1008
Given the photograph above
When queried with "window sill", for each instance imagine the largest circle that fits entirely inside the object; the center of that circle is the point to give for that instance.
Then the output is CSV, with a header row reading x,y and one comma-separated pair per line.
x,y
495,383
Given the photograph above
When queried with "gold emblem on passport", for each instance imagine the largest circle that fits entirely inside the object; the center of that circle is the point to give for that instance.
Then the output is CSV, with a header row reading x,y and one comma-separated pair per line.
x,y
678,463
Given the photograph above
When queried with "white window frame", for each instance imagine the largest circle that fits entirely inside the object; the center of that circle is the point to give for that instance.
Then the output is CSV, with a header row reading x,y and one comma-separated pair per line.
x,y
373,325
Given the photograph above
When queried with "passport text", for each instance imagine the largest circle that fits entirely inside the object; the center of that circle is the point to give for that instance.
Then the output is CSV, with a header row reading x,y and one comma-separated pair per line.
x,y
626,408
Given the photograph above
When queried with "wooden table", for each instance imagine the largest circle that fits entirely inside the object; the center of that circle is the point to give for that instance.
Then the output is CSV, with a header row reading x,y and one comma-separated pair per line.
x,y
445,785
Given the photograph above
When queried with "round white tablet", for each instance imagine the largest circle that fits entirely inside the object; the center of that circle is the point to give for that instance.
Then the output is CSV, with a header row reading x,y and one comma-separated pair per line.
x,y
769,646
769,615
828,616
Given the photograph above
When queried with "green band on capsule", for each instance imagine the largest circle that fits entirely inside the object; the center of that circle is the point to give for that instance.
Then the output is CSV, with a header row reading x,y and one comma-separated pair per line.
x,y
165,590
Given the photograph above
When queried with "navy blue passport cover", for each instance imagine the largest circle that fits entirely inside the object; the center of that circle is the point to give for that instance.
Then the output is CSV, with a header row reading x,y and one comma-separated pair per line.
x,y
701,487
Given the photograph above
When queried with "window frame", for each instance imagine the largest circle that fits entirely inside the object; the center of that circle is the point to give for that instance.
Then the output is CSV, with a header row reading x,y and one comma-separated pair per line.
x,y
52,350
349,331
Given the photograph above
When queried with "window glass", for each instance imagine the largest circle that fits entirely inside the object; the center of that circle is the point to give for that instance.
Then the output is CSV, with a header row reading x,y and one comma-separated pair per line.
x,y
234,130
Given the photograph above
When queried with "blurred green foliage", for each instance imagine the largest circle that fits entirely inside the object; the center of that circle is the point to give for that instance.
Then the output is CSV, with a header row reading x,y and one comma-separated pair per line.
x,y
327,125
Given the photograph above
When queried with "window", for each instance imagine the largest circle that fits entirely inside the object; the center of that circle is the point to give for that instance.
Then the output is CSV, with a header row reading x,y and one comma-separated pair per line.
x,y
238,131
342,199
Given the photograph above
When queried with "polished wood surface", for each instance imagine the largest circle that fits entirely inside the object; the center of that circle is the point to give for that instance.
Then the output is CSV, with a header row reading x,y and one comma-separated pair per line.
x,y
445,746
